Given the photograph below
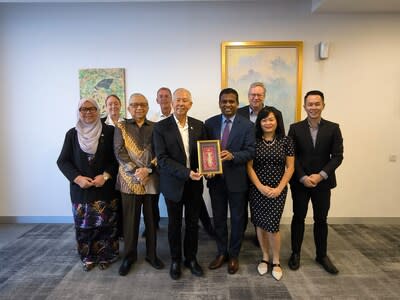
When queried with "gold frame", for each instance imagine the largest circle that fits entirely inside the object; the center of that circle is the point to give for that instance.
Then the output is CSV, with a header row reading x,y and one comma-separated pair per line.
x,y
216,167
225,46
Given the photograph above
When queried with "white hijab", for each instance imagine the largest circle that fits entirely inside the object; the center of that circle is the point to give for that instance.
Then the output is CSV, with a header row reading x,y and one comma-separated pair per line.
x,y
88,134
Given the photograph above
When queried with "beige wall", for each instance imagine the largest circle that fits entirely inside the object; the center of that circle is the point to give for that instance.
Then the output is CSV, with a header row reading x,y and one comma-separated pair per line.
x,y
42,46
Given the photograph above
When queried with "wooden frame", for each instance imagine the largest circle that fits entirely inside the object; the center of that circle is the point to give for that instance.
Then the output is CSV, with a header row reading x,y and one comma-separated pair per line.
x,y
279,65
209,155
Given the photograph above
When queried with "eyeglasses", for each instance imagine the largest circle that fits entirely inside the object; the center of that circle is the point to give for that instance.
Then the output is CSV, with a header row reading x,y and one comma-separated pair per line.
x,y
136,105
256,95
88,109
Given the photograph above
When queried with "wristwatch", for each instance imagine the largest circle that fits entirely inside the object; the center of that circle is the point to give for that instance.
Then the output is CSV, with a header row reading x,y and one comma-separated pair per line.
x,y
106,176
149,170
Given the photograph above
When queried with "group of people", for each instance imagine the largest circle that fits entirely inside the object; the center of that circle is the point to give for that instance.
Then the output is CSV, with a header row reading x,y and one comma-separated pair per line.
x,y
113,163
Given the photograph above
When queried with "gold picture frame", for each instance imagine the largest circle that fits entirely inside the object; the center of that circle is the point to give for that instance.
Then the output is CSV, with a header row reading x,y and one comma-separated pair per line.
x,y
278,64
209,155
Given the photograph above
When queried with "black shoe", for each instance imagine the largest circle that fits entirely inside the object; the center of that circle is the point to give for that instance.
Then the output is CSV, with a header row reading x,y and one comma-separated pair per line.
x,y
327,264
155,263
175,270
125,266
194,267
294,261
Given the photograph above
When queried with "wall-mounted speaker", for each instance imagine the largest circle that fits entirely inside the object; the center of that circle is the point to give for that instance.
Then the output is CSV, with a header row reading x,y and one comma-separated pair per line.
x,y
323,50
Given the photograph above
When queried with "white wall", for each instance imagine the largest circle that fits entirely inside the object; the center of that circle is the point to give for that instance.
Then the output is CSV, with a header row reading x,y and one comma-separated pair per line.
x,y
42,46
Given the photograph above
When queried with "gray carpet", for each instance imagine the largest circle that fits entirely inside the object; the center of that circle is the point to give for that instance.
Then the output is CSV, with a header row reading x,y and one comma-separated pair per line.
x,y
42,263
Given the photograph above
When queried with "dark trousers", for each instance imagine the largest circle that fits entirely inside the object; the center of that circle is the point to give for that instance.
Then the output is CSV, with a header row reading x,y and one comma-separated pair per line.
x,y
192,203
220,198
320,199
156,210
204,216
131,208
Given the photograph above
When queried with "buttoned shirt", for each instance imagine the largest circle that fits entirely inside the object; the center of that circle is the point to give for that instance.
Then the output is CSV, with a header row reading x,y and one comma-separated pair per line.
x,y
184,131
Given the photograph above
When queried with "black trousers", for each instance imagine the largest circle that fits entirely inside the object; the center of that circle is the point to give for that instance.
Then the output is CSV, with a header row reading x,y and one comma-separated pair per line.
x,y
131,208
220,198
204,216
191,201
320,199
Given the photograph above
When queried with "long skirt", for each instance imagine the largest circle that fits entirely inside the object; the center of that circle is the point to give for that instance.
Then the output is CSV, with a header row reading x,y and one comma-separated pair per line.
x,y
96,228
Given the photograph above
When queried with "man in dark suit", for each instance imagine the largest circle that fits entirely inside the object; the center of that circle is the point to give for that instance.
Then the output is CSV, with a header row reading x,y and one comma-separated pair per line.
x,y
319,151
175,143
231,188
256,96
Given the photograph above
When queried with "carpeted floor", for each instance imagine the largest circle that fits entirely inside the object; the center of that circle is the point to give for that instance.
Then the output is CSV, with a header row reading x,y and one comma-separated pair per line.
x,y
40,262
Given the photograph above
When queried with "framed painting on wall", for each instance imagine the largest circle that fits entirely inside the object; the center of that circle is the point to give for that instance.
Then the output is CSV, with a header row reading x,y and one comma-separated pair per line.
x,y
276,64
99,83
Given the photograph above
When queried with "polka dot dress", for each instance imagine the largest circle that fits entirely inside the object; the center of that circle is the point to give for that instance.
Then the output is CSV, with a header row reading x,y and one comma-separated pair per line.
x,y
269,165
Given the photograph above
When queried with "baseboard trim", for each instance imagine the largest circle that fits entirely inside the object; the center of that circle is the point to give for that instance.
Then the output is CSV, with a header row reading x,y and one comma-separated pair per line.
x,y
285,220
352,220
35,219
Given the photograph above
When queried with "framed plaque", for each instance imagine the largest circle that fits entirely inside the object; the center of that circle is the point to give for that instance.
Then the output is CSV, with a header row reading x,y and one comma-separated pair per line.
x,y
209,157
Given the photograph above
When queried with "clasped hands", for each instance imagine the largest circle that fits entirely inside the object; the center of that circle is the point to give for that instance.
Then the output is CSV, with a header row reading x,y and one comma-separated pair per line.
x,y
312,180
269,191
142,174
86,182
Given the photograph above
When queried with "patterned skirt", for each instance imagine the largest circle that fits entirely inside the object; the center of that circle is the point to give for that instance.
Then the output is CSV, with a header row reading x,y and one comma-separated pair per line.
x,y
96,228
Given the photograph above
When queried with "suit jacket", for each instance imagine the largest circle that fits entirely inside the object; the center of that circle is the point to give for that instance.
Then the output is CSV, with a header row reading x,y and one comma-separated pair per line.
x,y
327,154
245,112
241,143
73,162
171,156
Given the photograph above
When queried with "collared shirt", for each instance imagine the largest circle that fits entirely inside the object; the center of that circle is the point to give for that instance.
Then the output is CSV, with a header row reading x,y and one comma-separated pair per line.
x,y
253,115
133,150
109,121
162,116
314,133
223,123
184,131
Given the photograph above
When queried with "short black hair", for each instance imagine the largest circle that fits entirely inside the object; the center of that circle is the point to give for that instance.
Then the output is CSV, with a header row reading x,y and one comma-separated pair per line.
x,y
229,91
314,92
279,132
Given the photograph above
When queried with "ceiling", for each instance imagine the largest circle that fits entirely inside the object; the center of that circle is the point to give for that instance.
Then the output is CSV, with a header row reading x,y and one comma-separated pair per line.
x,y
316,6
355,6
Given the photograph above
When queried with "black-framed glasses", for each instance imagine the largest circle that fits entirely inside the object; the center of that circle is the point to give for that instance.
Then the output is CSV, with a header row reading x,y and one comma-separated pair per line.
x,y
137,105
88,109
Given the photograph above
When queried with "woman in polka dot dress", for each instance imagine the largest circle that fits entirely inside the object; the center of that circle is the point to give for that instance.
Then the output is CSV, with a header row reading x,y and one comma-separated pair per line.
x,y
270,172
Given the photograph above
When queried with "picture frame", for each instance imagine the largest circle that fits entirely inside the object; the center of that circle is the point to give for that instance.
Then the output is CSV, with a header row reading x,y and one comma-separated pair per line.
x,y
99,83
209,155
277,64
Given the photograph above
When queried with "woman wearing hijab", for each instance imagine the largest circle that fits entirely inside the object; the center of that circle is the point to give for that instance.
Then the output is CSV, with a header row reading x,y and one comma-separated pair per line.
x,y
87,160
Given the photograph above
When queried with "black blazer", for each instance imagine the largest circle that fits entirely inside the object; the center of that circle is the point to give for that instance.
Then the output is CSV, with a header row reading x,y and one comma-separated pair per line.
x,y
327,154
241,143
245,112
73,162
171,157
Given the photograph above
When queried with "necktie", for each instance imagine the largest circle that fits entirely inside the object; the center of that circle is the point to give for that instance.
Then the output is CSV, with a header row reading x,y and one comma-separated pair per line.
x,y
225,134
